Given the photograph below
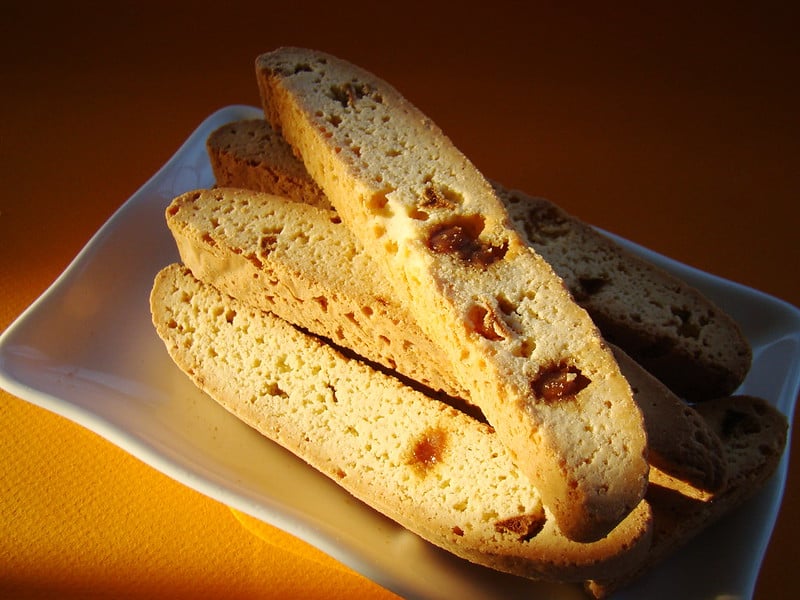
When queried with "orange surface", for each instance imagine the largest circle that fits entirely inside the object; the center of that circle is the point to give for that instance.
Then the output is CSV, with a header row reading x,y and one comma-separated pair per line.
x,y
677,129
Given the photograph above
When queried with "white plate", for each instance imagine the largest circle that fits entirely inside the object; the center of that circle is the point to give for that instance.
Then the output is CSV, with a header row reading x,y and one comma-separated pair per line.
x,y
87,351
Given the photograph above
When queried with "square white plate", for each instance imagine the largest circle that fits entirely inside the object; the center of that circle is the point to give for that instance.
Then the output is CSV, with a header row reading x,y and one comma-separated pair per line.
x,y
86,350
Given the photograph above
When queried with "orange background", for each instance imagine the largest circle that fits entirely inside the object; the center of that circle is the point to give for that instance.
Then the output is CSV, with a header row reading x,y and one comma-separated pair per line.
x,y
675,127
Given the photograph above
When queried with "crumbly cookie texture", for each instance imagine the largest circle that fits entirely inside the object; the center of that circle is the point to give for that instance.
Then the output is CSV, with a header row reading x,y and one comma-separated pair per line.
x,y
301,263
667,326
248,154
533,360
429,467
753,435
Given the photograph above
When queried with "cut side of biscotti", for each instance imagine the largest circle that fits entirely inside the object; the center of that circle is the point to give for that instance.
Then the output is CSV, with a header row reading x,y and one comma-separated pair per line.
x,y
429,467
390,445
301,263
664,324
669,327
249,154
753,435
533,360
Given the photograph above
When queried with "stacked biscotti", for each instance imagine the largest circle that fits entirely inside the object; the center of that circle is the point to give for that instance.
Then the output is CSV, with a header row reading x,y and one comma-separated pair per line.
x,y
353,278
431,468
667,326
291,265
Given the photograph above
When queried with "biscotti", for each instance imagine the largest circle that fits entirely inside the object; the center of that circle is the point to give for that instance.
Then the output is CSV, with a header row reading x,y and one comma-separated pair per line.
x,y
669,327
429,467
753,435
249,154
302,264
533,359
422,463
664,324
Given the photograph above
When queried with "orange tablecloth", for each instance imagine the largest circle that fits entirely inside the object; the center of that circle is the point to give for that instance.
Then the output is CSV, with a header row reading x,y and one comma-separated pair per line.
x,y
678,130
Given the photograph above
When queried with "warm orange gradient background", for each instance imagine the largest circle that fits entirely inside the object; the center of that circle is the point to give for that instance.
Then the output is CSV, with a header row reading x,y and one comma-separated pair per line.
x,y
677,128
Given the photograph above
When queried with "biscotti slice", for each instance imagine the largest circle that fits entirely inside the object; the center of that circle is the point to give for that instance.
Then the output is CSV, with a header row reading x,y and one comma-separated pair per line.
x,y
302,264
669,327
684,451
249,154
533,360
666,325
420,462
753,435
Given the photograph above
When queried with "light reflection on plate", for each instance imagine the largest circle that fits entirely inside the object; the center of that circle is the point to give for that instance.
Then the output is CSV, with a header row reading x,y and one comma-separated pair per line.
x,y
86,350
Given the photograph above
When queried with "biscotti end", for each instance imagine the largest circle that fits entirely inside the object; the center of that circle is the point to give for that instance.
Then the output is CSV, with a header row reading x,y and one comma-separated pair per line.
x,y
682,446
753,438
237,150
